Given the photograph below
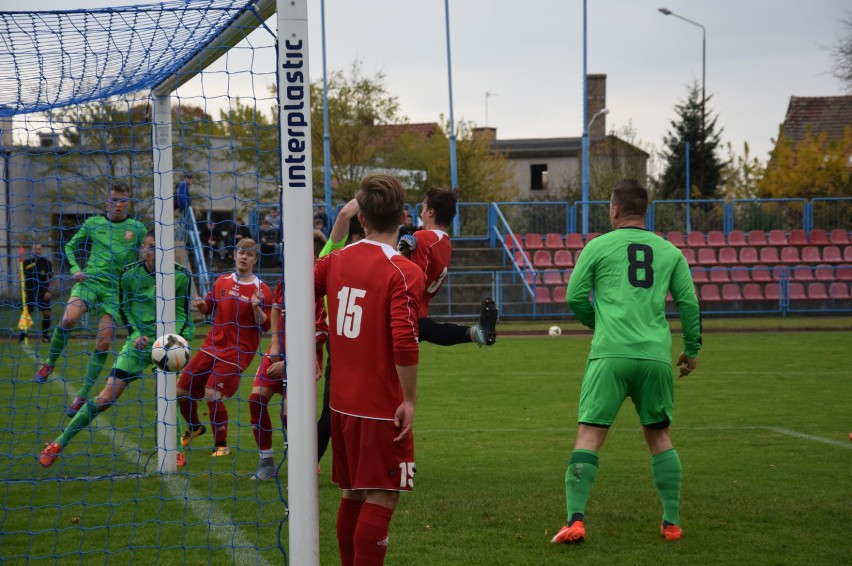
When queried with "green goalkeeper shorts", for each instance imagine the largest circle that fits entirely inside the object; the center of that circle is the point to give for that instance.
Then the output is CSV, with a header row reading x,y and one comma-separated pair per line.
x,y
608,381
100,296
132,363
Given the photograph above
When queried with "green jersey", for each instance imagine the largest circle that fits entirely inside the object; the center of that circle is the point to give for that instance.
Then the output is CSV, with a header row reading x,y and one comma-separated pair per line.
x,y
137,297
112,246
629,272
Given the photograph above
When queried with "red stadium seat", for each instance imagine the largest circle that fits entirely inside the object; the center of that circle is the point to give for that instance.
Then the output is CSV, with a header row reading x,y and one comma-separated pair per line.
x,y
591,236
780,272
824,273
736,238
731,292
551,277
677,239
710,292
740,275
757,238
562,258
817,291
523,259
716,238
553,241
778,238
532,277
727,256
542,258
542,295
818,237
790,254
839,237
831,254
802,273
700,275
772,291
719,275
844,273
707,256
847,254
798,237
533,242
810,254
839,290
752,292
769,255
689,254
749,255
761,275
559,294
696,240
796,291
567,276
574,241
510,242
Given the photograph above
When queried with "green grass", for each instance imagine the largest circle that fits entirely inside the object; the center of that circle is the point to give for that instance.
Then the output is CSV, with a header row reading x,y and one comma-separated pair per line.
x,y
761,428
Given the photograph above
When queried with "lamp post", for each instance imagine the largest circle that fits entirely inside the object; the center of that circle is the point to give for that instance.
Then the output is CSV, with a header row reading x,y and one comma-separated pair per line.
x,y
454,174
587,127
667,12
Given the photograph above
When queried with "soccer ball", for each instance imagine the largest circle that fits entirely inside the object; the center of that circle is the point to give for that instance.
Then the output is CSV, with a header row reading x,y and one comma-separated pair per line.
x,y
170,352
554,331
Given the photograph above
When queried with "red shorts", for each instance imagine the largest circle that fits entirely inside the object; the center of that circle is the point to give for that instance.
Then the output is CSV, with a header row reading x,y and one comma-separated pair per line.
x,y
203,370
366,457
274,384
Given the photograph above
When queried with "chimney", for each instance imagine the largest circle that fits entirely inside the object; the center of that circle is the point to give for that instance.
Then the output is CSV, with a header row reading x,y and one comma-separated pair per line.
x,y
486,133
596,91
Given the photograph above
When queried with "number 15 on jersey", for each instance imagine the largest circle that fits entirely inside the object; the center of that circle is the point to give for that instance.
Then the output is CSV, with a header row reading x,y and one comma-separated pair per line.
x,y
349,312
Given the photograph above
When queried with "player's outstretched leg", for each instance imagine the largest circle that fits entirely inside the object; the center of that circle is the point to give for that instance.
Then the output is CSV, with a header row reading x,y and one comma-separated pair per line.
x,y
485,332
573,533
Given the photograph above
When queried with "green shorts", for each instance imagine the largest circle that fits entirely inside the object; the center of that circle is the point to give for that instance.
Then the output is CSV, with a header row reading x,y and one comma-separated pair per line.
x,y
130,363
99,295
608,381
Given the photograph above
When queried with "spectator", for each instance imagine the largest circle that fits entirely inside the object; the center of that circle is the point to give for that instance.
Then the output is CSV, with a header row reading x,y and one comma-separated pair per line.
x,y
407,227
38,273
274,217
240,230
319,224
269,238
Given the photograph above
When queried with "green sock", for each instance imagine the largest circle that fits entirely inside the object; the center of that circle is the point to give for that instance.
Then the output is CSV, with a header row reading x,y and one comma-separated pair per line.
x,y
81,420
582,469
57,345
93,370
667,475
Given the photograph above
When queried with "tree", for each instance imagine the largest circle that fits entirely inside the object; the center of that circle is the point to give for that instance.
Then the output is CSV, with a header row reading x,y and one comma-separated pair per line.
x,y
842,52
687,129
741,174
813,167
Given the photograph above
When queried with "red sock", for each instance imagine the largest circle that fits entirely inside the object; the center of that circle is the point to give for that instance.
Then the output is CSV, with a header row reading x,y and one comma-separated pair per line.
x,y
347,520
371,535
189,411
261,424
219,420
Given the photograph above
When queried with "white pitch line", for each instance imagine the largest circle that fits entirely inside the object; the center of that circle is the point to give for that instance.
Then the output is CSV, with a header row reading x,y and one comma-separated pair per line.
x,y
221,526
802,435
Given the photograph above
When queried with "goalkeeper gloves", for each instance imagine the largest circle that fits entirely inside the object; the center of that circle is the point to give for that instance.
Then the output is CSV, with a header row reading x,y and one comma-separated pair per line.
x,y
406,245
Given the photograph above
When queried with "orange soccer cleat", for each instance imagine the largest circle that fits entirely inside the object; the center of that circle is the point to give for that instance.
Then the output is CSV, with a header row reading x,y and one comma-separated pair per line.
x,y
573,534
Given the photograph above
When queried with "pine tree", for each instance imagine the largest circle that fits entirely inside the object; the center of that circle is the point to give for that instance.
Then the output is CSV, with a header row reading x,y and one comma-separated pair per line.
x,y
688,129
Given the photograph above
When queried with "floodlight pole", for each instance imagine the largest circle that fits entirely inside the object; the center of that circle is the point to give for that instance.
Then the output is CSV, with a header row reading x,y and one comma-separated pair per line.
x,y
584,182
454,174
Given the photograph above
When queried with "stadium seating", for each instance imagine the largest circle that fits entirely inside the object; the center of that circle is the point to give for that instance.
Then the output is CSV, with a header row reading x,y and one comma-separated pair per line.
x,y
689,254
831,254
772,291
847,254
796,291
720,275
541,258
706,256
551,277
752,292
700,276
563,258
736,238
839,237
591,236
727,256
731,292
749,255
761,275
844,273
824,273
696,240
553,241
559,294
802,273
710,293
532,277
798,238
522,259
677,239
716,239
510,242
839,290
769,255
777,238
810,254
757,238
790,254
818,237
816,291
574,241
542,295
533,242
740,275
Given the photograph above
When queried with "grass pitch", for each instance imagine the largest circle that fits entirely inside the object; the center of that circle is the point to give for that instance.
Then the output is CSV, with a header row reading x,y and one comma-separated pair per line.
x,y
761,428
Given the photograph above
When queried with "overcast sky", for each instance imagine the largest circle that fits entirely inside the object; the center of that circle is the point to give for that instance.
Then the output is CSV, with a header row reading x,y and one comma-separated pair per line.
x,y
529,55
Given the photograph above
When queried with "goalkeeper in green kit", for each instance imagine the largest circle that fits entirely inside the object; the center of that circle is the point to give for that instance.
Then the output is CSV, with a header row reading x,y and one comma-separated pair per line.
x,y
629,271
137,294
114,240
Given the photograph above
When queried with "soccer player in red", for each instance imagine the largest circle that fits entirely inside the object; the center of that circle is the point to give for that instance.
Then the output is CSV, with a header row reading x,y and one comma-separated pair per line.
x,y
373,298
241,305
430,248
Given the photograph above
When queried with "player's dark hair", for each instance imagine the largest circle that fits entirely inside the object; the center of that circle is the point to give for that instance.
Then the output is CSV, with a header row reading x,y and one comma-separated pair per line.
x,y
120,188
150,233
443,202
381,199
355,230
630,197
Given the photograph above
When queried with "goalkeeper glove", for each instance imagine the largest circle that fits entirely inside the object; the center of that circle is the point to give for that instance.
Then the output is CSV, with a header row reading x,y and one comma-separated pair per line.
x,y
406,245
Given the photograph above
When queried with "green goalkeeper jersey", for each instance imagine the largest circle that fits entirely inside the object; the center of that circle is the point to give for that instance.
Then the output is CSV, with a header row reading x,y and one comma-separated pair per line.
x,y
138,295
629,272
112,245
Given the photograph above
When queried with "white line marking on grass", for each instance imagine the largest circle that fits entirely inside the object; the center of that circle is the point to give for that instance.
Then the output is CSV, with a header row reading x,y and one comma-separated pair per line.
x,y
802,435
220,525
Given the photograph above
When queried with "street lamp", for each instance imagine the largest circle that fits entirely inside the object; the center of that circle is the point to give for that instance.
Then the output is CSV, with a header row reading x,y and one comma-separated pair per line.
x,y
667,12
585,178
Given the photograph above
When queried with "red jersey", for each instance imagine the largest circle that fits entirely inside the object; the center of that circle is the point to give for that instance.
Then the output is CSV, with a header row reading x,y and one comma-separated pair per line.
x,y
432,255
235,335
373,299
319,313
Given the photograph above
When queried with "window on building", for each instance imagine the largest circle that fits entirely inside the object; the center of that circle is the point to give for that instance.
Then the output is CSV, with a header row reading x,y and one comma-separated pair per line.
x,y
538,177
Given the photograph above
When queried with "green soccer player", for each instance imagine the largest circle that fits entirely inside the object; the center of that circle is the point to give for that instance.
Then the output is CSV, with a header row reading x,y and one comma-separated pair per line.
x,y
137,295
113,241
629,271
